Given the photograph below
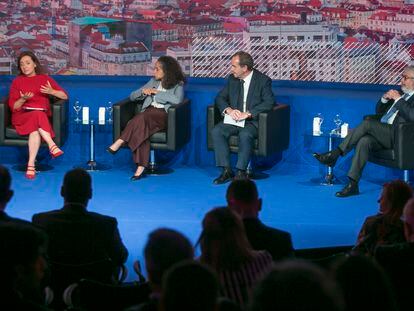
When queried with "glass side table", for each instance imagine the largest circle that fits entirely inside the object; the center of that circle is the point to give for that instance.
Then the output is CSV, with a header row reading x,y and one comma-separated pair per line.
x,y
329,178
92,164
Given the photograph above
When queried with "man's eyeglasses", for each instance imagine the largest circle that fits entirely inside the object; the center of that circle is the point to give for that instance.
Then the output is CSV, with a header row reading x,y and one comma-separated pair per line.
x,y
406,77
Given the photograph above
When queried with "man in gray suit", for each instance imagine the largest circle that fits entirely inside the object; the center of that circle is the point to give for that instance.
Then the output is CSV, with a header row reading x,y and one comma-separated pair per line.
x,y
374,134
247,93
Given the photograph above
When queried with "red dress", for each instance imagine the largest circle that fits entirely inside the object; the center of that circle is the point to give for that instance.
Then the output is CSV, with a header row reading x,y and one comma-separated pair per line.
x,y
27,121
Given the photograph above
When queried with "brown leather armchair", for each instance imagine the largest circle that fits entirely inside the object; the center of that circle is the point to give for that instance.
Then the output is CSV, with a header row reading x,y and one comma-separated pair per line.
x,y
273,133
9,136
176,135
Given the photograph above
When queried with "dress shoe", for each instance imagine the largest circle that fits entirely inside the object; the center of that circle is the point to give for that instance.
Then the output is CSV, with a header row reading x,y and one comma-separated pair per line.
x,y
240,175
350,189
111,151
327,158
225,176
137,177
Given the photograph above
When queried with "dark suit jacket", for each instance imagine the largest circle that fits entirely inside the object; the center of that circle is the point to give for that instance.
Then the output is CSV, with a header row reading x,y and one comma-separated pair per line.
x,y
261,237
406,109
260,97
4,218
77,236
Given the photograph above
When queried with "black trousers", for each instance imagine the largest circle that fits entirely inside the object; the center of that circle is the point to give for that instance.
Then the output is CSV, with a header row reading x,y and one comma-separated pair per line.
x,y
369,136
221,133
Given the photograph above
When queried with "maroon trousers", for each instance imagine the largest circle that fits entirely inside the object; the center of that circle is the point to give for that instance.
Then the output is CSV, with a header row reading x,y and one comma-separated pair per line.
x,y
138,131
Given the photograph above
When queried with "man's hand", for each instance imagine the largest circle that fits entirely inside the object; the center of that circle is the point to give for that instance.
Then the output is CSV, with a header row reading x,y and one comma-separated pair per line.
x,y
233,113
25,96
244,116
392,94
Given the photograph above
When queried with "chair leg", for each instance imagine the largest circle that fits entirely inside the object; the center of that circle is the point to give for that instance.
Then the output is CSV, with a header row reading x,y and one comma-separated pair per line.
x,y
407,176
255,174
153,168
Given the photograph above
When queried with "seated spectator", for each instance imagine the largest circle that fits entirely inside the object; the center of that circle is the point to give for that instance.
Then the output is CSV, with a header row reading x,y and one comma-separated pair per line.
x,y
190,286
225,248
242,197
22,267
164,248
6,193
398,260
364,284
83,244
386,227
296,285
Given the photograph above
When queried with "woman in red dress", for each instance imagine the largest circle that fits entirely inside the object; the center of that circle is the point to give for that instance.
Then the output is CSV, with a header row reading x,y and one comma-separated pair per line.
x,y
29,104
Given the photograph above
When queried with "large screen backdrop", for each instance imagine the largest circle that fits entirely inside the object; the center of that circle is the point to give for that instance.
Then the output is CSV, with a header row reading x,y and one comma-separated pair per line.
x,y
310,40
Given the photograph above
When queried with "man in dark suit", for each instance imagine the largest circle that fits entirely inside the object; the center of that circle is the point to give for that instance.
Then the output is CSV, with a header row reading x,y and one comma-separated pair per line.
x,y
374,134
248,92
242,197
76,236
6,193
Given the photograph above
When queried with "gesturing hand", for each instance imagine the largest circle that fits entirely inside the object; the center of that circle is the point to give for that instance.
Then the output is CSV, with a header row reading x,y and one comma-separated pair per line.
x,y
149,91
392,94
47,89
25,96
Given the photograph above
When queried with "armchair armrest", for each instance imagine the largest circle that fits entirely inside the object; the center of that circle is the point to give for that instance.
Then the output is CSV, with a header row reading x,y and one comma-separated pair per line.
x,y
179,125
213,117
404,145
274,130
60,114
123,111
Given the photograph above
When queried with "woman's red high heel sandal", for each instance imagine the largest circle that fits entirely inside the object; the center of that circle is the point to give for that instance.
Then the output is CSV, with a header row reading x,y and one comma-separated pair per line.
x,y
55,151
30,172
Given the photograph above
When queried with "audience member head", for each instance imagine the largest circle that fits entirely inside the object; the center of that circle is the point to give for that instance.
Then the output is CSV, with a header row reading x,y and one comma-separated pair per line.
x,y
296,285
164,248
223,240
189,286
408,219
407,80
242,197
241,64
5,183
393,198
77,187
169,71
22,265
27,63
364,284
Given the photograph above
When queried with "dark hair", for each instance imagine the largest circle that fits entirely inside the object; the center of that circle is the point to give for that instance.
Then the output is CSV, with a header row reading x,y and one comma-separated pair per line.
x,y
19,245
397,193
5,182
223,241
77,186
297,285
245,59
243,190
364,284
38,68
164,248
190,286
173,73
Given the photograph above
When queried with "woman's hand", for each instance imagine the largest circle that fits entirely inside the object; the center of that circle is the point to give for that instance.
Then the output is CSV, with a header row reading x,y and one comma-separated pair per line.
x,y
47,89
25,96
149,91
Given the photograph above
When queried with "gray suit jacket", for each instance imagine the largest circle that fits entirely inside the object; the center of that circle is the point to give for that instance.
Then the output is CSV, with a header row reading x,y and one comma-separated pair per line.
x,y
172,96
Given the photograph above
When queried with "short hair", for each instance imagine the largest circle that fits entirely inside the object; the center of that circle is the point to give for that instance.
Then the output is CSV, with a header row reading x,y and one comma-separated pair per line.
x,y
245,59
77,186
397,193
243,190
164,248
38,68
5,182
409,68
20,244
297,285
190,286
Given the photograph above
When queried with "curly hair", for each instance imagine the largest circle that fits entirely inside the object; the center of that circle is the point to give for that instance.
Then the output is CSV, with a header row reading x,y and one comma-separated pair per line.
x,y
38,68
173,73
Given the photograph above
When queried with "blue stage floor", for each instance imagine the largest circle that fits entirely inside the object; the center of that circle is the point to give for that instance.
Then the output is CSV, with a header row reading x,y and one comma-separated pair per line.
x,y
292,201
